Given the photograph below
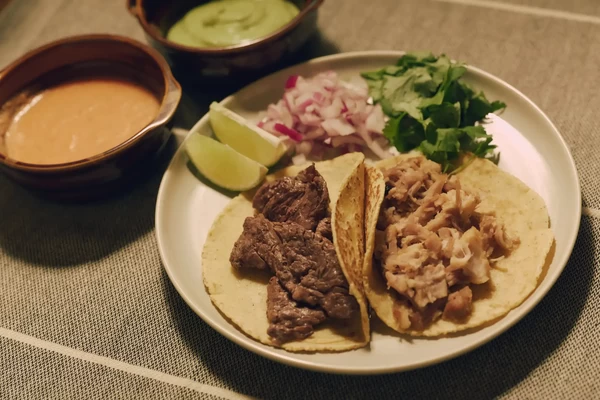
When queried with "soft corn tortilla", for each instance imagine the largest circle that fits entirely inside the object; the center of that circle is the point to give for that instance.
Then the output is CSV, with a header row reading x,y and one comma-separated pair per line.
x,y
241,296
513,279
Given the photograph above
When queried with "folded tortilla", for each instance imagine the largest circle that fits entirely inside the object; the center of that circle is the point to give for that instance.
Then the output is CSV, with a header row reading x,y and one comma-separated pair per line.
x,y
241,296
523,213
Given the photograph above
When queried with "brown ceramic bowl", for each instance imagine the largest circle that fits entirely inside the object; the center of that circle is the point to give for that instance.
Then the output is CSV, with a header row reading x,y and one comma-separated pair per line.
x,y
78,56
238,63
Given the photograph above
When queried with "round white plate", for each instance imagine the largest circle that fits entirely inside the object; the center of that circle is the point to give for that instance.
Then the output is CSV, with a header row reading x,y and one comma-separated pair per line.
x,y
531,147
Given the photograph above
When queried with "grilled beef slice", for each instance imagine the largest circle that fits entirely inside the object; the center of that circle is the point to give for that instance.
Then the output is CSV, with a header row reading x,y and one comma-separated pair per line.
x,y
305,263
289,321
324,228
291,236
303,199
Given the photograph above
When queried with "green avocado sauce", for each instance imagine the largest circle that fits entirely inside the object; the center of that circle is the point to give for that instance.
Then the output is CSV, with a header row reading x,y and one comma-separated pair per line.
x,y
222,23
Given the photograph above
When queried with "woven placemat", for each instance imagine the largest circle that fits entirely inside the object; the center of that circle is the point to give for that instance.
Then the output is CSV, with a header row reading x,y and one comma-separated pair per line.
x,y
87,310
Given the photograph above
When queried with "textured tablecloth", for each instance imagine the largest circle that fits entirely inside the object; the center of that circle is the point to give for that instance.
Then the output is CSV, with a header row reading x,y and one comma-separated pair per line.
x,y
87,311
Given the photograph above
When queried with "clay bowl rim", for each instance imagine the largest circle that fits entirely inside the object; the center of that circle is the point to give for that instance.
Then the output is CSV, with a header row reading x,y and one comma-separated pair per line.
x,y
170,84
136,8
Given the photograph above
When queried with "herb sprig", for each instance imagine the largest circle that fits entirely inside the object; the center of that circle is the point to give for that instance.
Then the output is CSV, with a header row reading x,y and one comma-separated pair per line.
x,y
430,109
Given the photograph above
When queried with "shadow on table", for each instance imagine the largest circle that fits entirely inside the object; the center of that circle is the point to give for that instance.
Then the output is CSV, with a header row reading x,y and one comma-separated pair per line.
x,y
484,373
53,234
319,45
56,234
202,93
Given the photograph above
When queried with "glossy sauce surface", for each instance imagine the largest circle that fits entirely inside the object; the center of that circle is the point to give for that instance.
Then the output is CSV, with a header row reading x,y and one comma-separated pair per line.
x,y
223,23
78,119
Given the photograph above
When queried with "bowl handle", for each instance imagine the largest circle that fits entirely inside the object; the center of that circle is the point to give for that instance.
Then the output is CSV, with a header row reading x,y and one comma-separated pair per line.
x,y
170,102
132,8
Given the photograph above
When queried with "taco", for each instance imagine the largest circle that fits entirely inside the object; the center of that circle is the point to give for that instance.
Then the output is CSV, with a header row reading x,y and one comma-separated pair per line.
x,y
284,263
445,253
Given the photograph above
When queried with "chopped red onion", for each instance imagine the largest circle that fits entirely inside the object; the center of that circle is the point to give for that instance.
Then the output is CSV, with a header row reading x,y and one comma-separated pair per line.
x,y
325,112
289,132
291,82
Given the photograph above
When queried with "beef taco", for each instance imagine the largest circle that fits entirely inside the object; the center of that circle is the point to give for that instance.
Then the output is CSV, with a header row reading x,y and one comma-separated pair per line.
x,y
284,263
445,253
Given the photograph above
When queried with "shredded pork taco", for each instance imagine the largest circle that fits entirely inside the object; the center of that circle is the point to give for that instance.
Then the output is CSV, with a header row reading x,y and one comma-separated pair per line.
x,y
445,253
284,263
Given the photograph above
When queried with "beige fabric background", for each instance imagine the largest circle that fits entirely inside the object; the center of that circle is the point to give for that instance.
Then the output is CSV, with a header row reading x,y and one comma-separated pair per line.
x,y
86,310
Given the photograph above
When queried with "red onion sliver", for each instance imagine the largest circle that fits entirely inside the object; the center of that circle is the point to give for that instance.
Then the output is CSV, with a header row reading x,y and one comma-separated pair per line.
x,y
302,106
319,98
291,82
289,132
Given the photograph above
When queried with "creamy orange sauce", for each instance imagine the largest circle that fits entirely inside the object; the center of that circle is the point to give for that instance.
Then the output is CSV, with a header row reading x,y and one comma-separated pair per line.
x,y
78,119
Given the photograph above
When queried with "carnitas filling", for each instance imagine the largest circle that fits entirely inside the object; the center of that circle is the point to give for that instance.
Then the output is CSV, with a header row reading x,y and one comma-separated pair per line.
x,y
290,236
433,245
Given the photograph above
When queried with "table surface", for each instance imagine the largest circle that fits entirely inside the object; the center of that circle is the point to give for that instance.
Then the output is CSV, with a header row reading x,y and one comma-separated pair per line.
x,y
87,311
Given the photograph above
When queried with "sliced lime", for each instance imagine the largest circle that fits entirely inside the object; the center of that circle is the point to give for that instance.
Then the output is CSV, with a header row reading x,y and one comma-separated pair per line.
x,y
246,138
222,165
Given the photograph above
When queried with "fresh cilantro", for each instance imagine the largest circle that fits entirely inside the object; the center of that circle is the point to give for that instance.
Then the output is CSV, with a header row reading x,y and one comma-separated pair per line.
x,y
431,109
375,89
404,132
398,91
445,115
374,75
479,107
444,148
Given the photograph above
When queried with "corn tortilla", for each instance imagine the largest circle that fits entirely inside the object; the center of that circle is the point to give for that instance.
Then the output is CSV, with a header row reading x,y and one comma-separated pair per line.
x,y
241,296
524,215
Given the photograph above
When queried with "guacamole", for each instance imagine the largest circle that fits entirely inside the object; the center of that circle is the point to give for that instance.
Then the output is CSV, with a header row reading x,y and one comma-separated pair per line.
x,y
223,23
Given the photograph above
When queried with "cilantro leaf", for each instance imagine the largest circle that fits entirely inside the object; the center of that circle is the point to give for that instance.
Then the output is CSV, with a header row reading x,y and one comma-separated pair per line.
x,y
410,60
476,132
373,75
445,115
444,148
399,93
404,132
452,75
375,89
478,142
432,109
479,107
393,70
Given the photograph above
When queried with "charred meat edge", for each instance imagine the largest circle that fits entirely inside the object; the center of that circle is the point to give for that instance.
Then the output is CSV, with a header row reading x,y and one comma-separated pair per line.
x,y
291,237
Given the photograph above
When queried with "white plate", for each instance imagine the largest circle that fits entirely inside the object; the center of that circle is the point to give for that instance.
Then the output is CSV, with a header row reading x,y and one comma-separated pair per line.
x,y
532,149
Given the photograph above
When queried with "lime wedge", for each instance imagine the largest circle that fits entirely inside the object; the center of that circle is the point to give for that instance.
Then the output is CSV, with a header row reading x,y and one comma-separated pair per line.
x,y
222,165
246,138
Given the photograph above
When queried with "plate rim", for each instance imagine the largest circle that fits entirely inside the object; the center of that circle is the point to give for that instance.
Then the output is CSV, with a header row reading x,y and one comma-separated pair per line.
x,y
287,358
